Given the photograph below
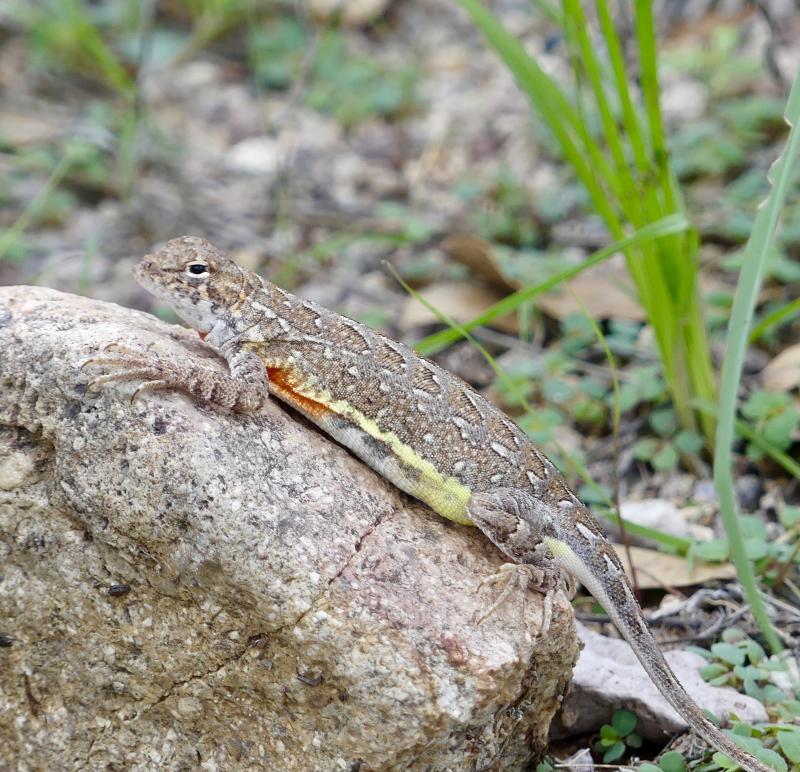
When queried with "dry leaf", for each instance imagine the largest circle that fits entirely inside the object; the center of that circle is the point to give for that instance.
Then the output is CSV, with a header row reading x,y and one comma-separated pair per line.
x,y
477,254
656,570
783,372
20,130
605,291
460,301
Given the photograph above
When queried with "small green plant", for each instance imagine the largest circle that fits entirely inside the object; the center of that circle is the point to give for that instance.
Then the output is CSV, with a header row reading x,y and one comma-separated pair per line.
x,y
742,663
672,761
67,34
773,558
504,211
776,419
618,736
349,86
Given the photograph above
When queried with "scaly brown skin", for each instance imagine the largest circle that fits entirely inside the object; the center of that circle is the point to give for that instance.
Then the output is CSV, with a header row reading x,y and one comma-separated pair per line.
x,y
414,423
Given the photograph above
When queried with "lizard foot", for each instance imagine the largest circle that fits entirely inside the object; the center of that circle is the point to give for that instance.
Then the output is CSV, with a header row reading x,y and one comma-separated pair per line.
x,y
154,371
520,576
157,372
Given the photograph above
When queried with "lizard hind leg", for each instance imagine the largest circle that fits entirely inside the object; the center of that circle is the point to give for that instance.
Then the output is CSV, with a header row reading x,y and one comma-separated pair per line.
x,y
513,521
517,578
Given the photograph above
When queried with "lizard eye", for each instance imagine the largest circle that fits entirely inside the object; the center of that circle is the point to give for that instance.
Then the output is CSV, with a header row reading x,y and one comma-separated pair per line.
x,y
196,269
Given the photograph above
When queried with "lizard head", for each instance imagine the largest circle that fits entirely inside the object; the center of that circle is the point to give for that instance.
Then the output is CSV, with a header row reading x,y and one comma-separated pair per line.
x,y
200,282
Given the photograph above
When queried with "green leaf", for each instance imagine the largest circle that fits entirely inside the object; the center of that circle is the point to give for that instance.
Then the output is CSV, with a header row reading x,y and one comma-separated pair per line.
x,y
771,694
614,752
771,758
663,422
724,762
713,550
645,448
672,761
755,652
727,652
752,689
713,670
750,671
666,458
753,527
624,721
689,442
756,548
591,495
762,404
608,732
789,516
779,429
633,740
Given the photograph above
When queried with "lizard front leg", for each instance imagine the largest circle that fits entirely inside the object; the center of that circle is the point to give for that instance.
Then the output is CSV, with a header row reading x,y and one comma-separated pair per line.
x,y
245,390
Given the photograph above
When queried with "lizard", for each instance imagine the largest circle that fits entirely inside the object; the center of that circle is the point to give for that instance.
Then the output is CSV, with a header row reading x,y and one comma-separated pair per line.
x,y
417,425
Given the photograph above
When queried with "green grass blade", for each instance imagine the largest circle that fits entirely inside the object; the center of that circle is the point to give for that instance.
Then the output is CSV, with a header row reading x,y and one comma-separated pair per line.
x,y
10,236
556,111
751,435
630,120
775,318
663,227
624,186
755,260
680,544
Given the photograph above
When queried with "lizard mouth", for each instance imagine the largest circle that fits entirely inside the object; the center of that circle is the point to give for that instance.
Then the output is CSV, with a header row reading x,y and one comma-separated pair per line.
x,y
142,273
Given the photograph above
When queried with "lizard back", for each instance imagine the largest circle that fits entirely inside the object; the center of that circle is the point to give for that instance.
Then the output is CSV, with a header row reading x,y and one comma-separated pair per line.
x,y
421,427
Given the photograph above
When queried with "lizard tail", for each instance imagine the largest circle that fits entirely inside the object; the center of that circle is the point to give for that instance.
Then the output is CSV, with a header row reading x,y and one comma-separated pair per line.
x,y
604,577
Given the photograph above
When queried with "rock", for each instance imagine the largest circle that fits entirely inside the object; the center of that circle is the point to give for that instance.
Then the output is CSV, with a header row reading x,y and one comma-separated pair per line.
x,y
255,155
660,514
351,13
748,490
608,677
184,588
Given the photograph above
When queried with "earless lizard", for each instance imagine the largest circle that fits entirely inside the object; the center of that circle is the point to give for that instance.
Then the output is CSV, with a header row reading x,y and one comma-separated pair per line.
x,y
414,423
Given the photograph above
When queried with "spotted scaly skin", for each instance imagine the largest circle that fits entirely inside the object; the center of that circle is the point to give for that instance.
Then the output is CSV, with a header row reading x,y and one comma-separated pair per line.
x,y
417,425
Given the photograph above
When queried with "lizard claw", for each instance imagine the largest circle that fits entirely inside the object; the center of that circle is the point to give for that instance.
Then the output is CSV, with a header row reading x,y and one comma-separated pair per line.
x,y
133,364
522,576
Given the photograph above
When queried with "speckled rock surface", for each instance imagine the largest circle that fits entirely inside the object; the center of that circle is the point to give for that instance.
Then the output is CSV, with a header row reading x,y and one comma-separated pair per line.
x,y
181,588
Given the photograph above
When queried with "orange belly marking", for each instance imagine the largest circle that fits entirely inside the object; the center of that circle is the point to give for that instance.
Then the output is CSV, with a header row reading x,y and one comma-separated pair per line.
x,y
283,383
202,335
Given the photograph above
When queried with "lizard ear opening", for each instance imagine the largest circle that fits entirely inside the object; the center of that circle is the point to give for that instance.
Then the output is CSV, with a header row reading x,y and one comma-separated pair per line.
x,y
196,269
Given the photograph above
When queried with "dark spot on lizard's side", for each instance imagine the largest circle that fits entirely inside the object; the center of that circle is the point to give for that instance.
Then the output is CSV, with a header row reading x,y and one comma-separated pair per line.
x,y
305,319
463,407
349,337
423,379
388,357
6,641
